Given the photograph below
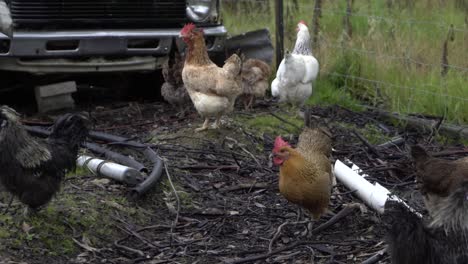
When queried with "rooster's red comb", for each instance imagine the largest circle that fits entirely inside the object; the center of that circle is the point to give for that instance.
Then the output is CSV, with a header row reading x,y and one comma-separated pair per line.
x,y
188,28
279,143
303,22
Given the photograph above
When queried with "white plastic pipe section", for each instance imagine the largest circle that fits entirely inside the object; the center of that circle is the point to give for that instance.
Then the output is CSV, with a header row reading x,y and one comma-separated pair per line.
x,y
374,195
110,170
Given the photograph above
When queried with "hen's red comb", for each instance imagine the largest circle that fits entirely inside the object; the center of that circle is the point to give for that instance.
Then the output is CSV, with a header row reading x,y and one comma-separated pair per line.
x,y
188,28
279,143
303,22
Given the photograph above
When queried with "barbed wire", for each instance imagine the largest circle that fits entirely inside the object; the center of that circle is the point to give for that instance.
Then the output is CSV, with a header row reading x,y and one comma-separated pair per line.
x,y
382,83
406,58
441,24
393,57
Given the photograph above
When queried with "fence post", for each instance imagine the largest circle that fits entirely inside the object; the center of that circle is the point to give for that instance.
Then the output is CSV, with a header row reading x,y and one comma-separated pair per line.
x,y
316,22
279,31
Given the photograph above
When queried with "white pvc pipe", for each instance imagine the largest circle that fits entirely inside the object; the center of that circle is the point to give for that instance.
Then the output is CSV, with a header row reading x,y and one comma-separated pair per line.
x,y
110,170
374,195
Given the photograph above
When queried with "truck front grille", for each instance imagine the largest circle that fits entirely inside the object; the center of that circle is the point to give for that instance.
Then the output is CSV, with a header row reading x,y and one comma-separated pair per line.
x,y
100,13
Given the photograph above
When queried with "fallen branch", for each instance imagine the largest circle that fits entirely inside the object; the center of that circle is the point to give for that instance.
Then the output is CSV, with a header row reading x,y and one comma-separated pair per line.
x,y
393,142
426,125
348,209
368,145
375,258
284,120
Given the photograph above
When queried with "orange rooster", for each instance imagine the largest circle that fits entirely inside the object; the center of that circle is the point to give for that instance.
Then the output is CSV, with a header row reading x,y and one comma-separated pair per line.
x,y
213,90
305,172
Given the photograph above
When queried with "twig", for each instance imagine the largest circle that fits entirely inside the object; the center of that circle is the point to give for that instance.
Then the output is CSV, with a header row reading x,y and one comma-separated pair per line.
x,y
368,145
246,151
135,234
86,247
279,250
129,249
450,153
284,120
375,258
341,214
174,224
278,232
207,167
126,126
275,236
250,186
287,257
393,142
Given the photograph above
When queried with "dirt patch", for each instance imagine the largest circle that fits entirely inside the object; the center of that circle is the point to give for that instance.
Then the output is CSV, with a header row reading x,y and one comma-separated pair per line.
x,y
228,205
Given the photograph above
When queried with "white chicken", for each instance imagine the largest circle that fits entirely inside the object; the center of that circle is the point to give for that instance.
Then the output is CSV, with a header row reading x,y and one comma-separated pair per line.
x,y
293,82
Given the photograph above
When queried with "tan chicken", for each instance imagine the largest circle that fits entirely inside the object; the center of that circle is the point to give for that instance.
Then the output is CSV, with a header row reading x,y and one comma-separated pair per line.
x,y
213,90
255,75
173,89
305,171
439,178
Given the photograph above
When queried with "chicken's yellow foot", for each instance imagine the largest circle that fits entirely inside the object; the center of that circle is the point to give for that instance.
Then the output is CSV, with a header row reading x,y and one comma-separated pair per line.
x,y
204,127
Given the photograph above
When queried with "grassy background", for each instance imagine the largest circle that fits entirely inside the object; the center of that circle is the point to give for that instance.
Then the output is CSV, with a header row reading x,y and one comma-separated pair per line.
x,y
392,59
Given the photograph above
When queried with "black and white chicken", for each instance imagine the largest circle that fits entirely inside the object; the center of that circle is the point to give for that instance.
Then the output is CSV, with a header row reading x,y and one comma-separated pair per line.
x,y
32,169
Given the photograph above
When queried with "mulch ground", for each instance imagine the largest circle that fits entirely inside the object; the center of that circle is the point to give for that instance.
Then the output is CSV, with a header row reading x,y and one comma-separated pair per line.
x,y
228,208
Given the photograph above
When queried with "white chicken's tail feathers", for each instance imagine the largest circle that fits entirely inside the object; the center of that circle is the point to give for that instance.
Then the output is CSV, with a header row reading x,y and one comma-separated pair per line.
x,y
275,88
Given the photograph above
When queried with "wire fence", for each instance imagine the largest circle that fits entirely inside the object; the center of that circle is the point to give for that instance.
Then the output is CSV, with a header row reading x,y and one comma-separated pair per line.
x,y
398,55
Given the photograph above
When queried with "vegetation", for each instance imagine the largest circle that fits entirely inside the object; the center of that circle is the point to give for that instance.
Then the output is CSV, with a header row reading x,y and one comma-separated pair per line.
x,y
73,217
390,56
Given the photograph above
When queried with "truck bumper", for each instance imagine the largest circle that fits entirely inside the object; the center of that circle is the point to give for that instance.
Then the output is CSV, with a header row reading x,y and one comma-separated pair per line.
x,y
94,50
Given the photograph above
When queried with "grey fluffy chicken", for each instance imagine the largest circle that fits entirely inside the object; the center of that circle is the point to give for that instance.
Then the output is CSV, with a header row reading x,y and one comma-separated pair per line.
x,y
33,169
439,178
412,241
173,89
255,75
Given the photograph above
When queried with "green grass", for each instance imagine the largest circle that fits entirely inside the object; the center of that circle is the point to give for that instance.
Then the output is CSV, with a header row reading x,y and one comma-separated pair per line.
x,y
89,217
265,123
392,60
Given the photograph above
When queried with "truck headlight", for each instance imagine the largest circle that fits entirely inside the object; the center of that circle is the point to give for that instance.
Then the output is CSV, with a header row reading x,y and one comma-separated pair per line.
x,y
201,10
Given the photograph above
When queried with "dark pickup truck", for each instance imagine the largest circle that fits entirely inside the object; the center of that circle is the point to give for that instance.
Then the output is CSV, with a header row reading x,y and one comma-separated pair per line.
x,y
73,36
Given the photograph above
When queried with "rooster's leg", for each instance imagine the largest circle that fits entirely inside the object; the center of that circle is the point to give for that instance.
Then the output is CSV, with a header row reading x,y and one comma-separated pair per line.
x,y
245,101
251,101
217,123
204,127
